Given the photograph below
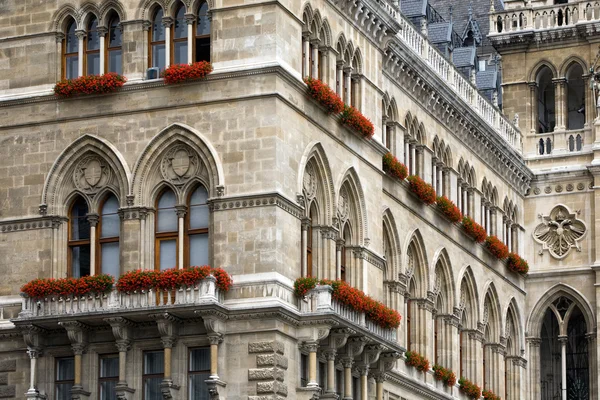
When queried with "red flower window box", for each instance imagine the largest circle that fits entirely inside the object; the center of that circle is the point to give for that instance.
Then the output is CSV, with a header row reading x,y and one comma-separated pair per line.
x,y
473,229
422,189
449,209
324,95
496,247
393,167
445,375
516,264
470,389
489,395
41,288
418,361
142,280
355,120
90,84
177,73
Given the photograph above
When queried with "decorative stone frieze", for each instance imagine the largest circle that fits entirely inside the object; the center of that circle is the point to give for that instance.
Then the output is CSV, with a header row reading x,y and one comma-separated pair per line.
x,y
25,224
263,200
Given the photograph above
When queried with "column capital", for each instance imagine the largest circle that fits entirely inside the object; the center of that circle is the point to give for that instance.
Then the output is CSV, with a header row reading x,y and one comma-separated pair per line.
x,y
181,210
146,26
123,345
190,18
311,347
80,33
59,36
102,30
167,22
305,223
347,362
215,338
534,341
93,219
379,377
563,339
330,354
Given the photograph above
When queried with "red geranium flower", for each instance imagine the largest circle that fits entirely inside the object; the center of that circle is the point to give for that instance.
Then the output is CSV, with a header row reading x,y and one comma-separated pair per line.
x,y
90,84
445,375
473,229
449,209
422,189
418,361
324,95
177,73
355,120
496,247
516,264
393,167
470,389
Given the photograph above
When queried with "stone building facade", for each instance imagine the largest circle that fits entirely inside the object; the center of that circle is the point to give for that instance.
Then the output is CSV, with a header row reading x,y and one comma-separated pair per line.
x,y
244,171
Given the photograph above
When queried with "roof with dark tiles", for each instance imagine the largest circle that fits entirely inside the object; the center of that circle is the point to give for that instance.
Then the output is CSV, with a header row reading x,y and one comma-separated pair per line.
x,y
487,79
439,32
413,8
464,57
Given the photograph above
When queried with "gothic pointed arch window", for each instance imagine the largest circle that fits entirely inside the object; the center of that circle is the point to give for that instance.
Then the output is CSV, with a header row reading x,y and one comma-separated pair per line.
x,y
179,34
157,42
109,228
79,254
166,237
202,48
92,48
345,256
575,97
114,49
70,51
197,239
546,101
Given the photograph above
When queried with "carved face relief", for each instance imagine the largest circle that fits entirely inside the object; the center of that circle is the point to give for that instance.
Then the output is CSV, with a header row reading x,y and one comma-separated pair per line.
x,y
559,232
91,174
179,165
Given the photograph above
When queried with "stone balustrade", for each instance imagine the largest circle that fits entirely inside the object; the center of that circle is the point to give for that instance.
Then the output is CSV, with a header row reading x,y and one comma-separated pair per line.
x,y
544,17
463,87
205,292
320,300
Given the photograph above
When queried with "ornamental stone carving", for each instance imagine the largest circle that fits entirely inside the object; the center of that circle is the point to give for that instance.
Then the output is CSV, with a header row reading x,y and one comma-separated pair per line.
x,y
343,209
91,174
559,232
310,182
179,165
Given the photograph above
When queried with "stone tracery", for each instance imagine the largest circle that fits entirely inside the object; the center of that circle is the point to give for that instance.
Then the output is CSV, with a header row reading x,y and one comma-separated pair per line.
x,y
560,231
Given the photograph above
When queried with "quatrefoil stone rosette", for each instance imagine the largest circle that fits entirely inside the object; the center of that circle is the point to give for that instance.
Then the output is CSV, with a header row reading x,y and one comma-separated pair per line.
x,y
560,231
179,165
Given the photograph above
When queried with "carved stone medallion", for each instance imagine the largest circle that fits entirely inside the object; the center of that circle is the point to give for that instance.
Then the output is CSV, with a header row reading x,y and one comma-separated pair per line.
x,y
559,232
179,165
91,174
344,207
310,182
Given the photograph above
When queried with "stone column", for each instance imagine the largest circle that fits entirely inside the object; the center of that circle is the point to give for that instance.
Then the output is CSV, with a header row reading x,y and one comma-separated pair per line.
x,y
379,379
312,364
314,48
534,368
33,337
324,64
434,175
364,383
514,230
190,19
181,211
533,100
330,355
413,159
167,325
77,334
303,248
305,55
348,85
339,247
452,359
459,196
471,202
146,57
93,220
80,37
214,340
60,38
407,151
384,119
590,106
563,365
559,108
347,363
340,79
167,23
102,31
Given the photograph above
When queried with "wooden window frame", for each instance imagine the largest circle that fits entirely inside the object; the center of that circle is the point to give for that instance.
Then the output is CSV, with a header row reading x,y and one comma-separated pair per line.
x,y
75,243
85,47
151,43
66,55
408,325
189,373
62,382
99,240
164,236
196,36
105,379
388,137
108,49
178,40
190,232
304,370
145,376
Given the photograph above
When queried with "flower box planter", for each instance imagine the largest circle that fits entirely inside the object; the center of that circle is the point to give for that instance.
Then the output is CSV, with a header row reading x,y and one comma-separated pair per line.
x,y
324,95
90,84
473,229
144,280
417,361
394,168
353,118
496,247
449,209
88,285
178,73
341,292
489,395
422,189
471,390
444,375
516,264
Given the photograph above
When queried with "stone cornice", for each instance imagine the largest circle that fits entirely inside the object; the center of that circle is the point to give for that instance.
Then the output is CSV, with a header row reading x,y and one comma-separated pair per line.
x,y
523,39
25,224
412,76
415,386
368,255
256,200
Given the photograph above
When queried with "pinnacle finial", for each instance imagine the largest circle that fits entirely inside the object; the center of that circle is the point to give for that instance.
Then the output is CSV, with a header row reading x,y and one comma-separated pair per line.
x,y
471,9
492,7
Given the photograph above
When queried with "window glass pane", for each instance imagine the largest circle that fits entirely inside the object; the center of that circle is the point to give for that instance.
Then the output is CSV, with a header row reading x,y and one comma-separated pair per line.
x,y
93,39
72,41
203,25
115,61
199,249
200,360
63,391
80,261
167,217
109,367
152,389
199,209
65,369
93,64
180,24
180,52
168,254
158,56
203,49
110,218
108,390
154,362
198,389
71,67
80,226
158,30
110,259
114,33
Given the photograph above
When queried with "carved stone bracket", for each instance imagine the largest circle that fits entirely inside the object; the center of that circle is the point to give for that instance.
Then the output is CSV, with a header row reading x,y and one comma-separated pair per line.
x,y
77,334
167,327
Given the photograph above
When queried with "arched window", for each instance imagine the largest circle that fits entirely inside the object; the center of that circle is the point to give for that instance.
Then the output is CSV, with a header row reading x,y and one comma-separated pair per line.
x,y
203,33
114,49
71,52
166,231
344,261
546,101
157,41
309,240
575,97
109,228
197,227
578,142
79,239
92,48
541,147
180,36
571,143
